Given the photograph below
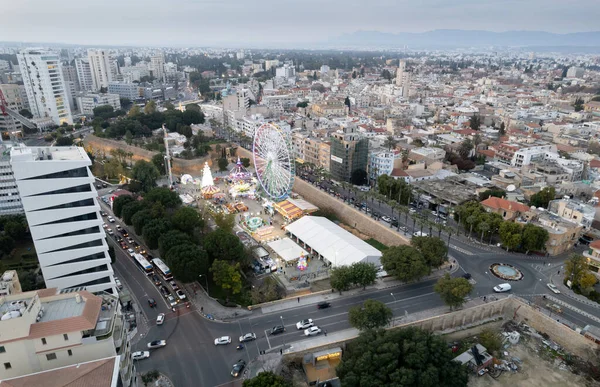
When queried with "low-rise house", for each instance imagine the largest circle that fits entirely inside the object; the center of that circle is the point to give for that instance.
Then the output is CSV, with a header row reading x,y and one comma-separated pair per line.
x,y
593,257
509,210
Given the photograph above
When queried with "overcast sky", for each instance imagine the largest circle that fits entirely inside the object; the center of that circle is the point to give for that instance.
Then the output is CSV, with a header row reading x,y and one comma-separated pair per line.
x,y
210,22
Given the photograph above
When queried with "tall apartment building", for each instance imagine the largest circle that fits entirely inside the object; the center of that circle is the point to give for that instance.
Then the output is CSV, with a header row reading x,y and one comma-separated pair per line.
x,y
12,95
49,329
10,201
157,66
100,67
84,74
349,153
403,78
59,199
45,85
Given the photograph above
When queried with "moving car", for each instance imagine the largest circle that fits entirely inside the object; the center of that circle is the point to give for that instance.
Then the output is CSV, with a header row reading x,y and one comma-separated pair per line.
x,y
305,324
104,226
130,240
118,283
419,233
131,252
157,344
173,285
312,331
152,302
171,300
502,288
156,280
180,294
139,355
237,368
223,340
109,231
119,228
111,219
323,305
247,337
277,329
160,319
103,213
554,307
164,291
553,288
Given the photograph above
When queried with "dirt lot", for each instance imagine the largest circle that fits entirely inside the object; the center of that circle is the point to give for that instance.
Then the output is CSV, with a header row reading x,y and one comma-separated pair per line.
x,y
538,369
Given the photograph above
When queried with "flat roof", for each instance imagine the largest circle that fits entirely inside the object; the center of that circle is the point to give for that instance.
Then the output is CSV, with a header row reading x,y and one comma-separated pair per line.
x,y
287,249
60,309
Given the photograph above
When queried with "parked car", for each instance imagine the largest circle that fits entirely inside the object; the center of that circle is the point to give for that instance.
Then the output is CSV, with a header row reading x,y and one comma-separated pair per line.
x,y
118,239
502,288
111,219
323,305
173,285
305,324
172,300
157,344
140,355
152,302
180,294
131,252
156,280
237,368
386,218
160,319
312,331
118,283
419,233
164,291
247,337
223,340
277,329
553,288
103,213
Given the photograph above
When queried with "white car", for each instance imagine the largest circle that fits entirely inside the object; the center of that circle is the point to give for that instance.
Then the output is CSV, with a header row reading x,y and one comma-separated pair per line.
x,y
312,331
224,340
502,288
111,219
553,288
104,226
139,355
419,234
160,319
171,300
386,218
157,344
118,283
180,294
109,231
305,324
247,337
130,252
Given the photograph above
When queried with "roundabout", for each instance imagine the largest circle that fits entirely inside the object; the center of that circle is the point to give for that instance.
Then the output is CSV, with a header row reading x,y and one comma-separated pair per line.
x,y
506,272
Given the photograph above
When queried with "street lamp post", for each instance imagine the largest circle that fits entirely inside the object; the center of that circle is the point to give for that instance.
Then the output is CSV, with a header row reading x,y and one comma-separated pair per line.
x,y
283,325
392,294
536,284
393,321
206,279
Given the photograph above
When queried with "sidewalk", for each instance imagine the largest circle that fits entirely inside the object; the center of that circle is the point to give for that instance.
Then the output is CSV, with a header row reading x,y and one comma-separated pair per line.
x,y
209,307
568,292
330,295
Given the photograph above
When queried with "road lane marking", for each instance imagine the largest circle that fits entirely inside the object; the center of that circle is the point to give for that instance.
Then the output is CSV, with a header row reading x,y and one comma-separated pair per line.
x,y
267,337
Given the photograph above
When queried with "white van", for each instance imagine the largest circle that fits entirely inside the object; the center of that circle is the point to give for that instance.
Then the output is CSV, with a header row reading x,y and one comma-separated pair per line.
x,y
502,288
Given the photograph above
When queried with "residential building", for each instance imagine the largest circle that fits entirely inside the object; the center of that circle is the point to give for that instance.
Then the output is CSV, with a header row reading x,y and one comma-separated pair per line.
x,y
70,75
12,95
592,107
325,155
383,162
563,234
45,86
130,91
527,155
427,155
573,210
9,283
157,66
506,152
593,257
329,108
101,68
349,153
87,102
10,201
403,79
60,202
509,210
84,74
575,72
48,329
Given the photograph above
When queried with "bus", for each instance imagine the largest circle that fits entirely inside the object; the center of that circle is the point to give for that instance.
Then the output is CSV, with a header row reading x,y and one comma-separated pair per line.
x,y
162,269
143,264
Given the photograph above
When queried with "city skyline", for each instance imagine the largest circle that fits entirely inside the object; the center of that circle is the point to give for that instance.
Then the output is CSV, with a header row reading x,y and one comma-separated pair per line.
x,y
185,22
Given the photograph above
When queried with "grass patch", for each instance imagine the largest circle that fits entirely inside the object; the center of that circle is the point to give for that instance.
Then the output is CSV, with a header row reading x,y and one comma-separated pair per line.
x,y
327,213
375,243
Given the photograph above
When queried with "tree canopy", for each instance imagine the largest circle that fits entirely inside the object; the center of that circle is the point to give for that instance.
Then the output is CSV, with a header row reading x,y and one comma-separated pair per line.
x,y
405,263
534,237
542,198
408,357
153,230
171,239
187,261
371,314
186,219
340,278
164,196
577,271
434,249
120,202
146,174
266,379
227,276
224,246
453,290
511,235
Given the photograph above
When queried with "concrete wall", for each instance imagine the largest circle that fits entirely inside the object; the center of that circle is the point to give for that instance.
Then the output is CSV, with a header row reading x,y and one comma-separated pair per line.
x,y
180,166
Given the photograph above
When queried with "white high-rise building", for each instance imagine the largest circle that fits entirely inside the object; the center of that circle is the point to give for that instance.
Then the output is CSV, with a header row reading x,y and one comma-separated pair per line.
x,y
101,68
157,66
57,193
84,74
10,201
45,85
403,79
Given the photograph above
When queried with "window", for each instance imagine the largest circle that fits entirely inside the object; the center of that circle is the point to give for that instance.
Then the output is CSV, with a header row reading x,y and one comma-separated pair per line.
x,y
2,349
43,341
51,356
69,352
66,337
7,366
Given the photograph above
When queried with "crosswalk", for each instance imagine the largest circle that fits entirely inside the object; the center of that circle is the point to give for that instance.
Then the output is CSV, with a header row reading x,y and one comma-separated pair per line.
x,y
461,250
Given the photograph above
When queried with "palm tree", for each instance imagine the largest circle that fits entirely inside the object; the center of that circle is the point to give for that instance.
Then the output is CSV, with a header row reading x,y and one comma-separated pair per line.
x,y
390,142
393,204
471,221
439,227
483,227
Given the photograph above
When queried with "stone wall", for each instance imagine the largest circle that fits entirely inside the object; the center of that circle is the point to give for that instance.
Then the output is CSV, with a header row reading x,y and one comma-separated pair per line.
x,y
347,214
180,166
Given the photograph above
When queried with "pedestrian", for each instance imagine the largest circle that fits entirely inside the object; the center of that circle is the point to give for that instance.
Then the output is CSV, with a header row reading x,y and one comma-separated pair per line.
x,y
558,272
298,299
201,309
484,299
325,331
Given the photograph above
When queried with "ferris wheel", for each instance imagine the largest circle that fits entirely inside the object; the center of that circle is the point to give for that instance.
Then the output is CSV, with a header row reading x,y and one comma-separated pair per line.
x,y
273,160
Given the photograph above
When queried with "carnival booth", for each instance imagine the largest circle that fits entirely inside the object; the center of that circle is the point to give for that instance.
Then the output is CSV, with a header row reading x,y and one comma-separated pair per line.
x,y
292,209
239,173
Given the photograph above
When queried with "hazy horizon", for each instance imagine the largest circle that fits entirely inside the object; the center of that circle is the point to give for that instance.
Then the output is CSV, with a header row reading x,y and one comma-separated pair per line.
x,y
272,22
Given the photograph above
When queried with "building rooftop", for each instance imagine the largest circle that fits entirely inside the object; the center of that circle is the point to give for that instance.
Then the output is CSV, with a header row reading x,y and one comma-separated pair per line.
x,y
61,309
501,203
24,153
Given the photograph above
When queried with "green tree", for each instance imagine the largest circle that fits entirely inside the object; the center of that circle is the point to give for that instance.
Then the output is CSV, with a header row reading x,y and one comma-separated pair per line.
x,y
534,238
146,174
372,314
266,379
135,111
130,209
363,273
453,290
223,163
542,198
171,239
502,130
495,192
159,162
465,148
224,246
153,230
187,262
169,106
490,339
245,162
16,228
140,219
434,250
267,291
227,276
578,104
475,122
120,202
405,263
64,141
186,219
390,143
113,168
340,278
7,244
400,357
302,104
577,271
164,196
128,137
510,235
225,222
150,107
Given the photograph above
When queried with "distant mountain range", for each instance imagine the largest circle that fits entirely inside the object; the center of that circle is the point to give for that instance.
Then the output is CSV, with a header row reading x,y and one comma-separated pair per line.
x,y
467,38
